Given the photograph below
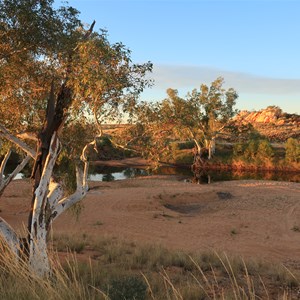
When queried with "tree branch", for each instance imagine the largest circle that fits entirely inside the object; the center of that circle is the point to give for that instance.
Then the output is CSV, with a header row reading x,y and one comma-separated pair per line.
x,y
3,165
81,191
11,176
10,137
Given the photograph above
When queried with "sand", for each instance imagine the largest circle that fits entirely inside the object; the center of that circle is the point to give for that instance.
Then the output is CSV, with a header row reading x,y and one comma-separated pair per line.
x,y
248,218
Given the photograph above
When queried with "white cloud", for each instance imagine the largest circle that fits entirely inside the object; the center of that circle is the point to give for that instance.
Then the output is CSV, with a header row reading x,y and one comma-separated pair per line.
x,y
255,92
183,77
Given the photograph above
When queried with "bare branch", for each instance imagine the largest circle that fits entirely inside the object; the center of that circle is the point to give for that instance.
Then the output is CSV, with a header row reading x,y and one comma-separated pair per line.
x,y
81,191
27,136
89,32
10,137
3,164
17,170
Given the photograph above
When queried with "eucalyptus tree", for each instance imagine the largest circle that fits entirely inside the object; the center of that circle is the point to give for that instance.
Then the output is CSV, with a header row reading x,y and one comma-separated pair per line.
x,y
34,38
214,110
54,71
201,116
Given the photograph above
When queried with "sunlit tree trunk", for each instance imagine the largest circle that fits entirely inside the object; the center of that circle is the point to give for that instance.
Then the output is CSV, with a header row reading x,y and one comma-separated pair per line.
x,y
211,145
48,205
38,257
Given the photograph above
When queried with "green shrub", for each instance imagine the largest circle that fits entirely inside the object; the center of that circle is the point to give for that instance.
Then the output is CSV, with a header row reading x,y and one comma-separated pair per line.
x,y
127,288
186,145
251,150
183,158
238,149
103,141
265,152
292,150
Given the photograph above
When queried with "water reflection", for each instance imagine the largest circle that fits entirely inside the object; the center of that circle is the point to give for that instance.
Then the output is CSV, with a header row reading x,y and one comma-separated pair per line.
x,y
201,177
206,176
103,173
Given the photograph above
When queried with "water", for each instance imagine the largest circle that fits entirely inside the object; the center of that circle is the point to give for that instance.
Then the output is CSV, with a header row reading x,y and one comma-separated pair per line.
x,y
103,173
115,173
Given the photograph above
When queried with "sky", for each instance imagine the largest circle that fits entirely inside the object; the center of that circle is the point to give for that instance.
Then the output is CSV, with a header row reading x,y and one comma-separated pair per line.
x,y
254,45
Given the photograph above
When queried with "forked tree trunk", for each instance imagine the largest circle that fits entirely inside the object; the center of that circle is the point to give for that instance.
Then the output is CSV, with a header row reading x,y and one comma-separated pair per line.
x,y
38,257
48,205
46,202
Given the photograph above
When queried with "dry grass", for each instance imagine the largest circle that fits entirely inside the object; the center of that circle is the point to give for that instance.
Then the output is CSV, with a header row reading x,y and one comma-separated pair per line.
x,y
121,270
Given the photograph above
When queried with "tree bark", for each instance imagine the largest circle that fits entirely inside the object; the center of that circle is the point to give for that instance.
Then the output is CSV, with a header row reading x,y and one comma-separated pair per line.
x,y
38,256
48,205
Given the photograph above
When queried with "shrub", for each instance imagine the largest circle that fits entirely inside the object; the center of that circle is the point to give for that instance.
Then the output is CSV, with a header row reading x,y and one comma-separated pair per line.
x,y
251,150
292,150
238,149
265,152
128,288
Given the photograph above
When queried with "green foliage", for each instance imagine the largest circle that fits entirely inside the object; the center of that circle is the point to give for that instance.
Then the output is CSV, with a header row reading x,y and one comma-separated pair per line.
x,y
251,150
186,145
184,158
292,150
40,44
128,288
36,40
103,141
265,152
238,149
199,117
65,170
254,151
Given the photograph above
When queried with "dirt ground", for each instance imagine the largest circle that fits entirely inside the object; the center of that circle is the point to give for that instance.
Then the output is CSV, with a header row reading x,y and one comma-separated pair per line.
x,y
252,219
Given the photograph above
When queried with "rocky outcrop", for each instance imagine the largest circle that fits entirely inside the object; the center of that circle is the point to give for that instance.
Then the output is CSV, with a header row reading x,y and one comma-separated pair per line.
x,y
272,123
270,115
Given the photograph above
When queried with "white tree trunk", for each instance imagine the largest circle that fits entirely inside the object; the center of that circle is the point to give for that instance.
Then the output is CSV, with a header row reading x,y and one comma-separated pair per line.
x,y
30,153
38,256
10,237
211,145
48,205
81,191
198,146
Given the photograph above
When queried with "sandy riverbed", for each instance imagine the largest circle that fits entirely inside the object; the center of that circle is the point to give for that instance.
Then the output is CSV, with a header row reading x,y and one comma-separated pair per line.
x,y
259,219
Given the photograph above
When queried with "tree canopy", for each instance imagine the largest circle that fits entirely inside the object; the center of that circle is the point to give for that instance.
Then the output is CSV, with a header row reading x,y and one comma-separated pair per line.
x,y
53,72
201,116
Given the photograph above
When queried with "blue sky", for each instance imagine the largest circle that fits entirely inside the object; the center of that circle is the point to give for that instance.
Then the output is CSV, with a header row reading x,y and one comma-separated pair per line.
x,y
254,45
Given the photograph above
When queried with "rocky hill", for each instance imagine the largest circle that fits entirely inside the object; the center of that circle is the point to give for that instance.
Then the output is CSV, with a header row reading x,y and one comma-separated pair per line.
x,y
272,122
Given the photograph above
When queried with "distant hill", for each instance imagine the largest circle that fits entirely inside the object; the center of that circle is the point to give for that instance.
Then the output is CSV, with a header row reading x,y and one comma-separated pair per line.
x,y
272,122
